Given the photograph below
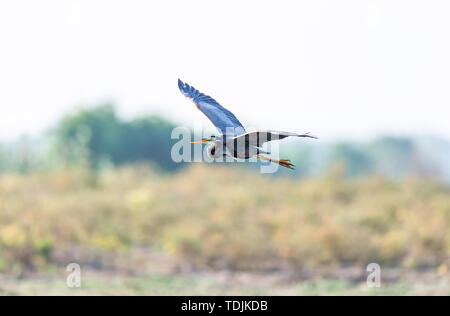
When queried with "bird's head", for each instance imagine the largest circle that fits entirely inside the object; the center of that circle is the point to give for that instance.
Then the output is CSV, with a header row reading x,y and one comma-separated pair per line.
x,y
205,140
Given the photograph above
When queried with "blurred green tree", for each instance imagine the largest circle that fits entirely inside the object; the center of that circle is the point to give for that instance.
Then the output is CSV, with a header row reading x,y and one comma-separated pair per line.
x,y
355,159
98,136
393,156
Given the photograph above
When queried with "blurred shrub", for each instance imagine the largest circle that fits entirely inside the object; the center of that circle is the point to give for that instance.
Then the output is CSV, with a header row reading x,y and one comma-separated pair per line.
x,y
98,138
224,217
95,137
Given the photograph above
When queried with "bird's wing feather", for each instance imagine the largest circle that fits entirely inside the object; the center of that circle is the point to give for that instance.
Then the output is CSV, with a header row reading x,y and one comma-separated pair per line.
x,y
223,120
259,138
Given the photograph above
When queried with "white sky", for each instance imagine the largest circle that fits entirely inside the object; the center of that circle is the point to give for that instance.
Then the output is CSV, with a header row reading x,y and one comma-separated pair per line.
x,y
329,67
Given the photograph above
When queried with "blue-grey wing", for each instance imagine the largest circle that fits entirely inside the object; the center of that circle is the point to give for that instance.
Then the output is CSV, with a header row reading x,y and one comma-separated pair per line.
x,y
223,120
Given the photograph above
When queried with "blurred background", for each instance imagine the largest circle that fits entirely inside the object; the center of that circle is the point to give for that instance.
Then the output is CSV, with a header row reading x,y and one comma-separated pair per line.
x,y
88,103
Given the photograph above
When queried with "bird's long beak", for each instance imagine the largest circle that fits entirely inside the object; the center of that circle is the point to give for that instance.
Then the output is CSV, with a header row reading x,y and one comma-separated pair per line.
x,y
203,140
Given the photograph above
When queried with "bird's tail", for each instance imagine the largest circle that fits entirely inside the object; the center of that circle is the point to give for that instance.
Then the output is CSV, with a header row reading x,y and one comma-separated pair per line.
x,y
282,162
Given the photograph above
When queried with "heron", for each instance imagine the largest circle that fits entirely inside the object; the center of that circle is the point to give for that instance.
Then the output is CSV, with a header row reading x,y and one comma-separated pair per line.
x,y
233,140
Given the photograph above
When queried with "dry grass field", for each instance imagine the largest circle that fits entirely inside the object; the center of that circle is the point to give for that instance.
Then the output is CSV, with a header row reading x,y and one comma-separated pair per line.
x,y
221,230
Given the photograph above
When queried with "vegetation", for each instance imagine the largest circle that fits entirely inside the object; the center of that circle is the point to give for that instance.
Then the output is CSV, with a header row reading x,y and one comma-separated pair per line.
x,y
221,217
93,138
99,189
216,284
97,136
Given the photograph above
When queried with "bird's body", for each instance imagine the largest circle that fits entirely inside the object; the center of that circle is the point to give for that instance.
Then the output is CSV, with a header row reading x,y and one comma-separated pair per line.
x,y
233,140
231,147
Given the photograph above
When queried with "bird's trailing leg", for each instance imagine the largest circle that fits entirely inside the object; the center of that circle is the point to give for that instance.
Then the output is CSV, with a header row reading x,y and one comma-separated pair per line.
x,y
282,162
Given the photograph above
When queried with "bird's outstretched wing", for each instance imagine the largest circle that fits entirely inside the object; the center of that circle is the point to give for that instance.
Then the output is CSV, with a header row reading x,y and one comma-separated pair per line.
x,y
223,120
259,138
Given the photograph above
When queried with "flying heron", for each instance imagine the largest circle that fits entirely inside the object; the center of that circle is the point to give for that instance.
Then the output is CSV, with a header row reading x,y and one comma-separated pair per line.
x,y
233,140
